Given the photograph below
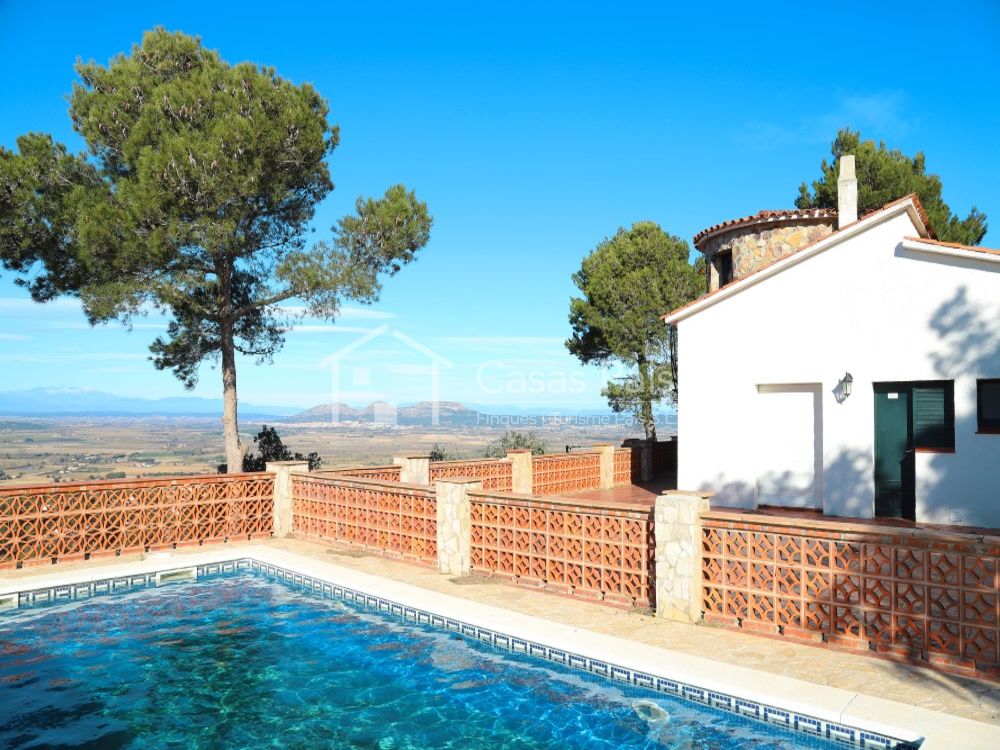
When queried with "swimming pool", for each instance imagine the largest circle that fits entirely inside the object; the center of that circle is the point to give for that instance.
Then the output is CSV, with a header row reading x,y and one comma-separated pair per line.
x,y
243,660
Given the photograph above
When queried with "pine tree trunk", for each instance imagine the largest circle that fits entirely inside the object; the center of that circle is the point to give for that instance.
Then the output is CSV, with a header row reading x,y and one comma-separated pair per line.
x,y
230,423
648,422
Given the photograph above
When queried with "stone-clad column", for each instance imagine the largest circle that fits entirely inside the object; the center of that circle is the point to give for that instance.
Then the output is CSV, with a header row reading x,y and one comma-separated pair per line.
x,y
607,452
520,466
454,525
282,471
414,469
677,533
646,463
645,448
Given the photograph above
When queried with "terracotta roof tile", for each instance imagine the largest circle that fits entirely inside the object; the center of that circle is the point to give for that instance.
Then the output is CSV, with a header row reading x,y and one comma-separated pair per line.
x,y
765,217
915,200
957,245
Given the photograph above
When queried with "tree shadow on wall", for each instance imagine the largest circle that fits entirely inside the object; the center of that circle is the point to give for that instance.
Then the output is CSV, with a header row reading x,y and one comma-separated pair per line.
x,y
968,347
847,480
968,342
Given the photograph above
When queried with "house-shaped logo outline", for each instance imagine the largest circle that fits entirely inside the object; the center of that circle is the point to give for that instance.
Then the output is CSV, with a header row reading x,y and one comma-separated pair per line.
x,y
333,361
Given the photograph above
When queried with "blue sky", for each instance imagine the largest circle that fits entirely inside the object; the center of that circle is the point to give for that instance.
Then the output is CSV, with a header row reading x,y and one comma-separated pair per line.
x,y
533,130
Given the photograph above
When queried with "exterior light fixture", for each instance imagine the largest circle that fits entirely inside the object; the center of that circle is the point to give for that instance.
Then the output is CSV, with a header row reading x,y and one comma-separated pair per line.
x,y
847,383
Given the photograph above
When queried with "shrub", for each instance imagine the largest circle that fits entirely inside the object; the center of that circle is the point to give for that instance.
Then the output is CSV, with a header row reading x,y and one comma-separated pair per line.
x,y
515,441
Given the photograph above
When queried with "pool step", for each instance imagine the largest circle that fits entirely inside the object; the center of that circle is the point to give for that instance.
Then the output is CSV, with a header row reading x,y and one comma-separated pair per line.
x,y
8,601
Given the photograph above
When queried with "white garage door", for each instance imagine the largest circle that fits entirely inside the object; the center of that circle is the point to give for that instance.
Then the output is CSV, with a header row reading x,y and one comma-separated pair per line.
x,y
789,451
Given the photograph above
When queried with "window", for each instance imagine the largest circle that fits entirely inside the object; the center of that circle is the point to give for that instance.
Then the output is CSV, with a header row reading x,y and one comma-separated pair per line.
x,y
724,267
988,397
934,415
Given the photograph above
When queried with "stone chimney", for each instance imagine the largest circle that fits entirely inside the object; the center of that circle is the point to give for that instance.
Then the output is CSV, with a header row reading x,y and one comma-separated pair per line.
x,y
847,192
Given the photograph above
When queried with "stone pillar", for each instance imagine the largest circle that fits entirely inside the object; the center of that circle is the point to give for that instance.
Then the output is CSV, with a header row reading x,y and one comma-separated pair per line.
x,y
645,448
677,534
520,467
414,469
454,525
282,471
646,461
607,453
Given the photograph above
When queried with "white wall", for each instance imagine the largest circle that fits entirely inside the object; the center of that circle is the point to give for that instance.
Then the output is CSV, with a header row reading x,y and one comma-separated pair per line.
x,y
867,306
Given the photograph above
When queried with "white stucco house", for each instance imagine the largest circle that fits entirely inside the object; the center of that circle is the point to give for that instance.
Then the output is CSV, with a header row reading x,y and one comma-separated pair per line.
x,y
850,366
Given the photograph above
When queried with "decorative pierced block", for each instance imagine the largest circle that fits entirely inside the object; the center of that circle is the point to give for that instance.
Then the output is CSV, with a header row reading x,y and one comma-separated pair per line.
x,y
934,599
379,517
496,475
73,521
379,473
565,472
600,553
627,467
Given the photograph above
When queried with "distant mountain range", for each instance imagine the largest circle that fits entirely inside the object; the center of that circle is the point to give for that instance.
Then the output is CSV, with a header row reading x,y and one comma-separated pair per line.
x,y
84,402
450,413
57,402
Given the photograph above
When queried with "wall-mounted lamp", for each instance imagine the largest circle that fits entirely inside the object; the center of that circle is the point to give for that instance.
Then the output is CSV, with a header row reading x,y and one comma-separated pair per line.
x,y
847,383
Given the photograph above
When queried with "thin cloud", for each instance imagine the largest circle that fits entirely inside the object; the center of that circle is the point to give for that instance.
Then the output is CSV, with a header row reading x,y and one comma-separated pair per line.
x,y
68,326
504,340
13,337
345,313
403,369
878,115
60,359
310,328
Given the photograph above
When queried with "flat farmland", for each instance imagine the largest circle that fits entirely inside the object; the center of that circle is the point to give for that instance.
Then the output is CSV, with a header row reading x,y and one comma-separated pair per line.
x,y
41,450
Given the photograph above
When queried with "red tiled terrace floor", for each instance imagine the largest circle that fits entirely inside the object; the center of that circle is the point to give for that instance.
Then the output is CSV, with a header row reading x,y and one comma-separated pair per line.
x,y
627,494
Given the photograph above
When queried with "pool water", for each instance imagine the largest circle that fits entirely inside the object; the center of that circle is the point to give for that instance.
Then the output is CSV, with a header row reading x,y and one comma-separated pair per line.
x,y
245,662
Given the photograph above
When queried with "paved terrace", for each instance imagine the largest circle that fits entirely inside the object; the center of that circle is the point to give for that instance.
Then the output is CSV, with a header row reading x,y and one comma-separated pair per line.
x,y
951,694
643,494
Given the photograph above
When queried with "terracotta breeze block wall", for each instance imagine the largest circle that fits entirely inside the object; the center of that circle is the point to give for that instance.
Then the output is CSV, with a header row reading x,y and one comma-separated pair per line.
x,y
565,472
62,522
380,473
917,594
626,466
599,553
496,475
396,519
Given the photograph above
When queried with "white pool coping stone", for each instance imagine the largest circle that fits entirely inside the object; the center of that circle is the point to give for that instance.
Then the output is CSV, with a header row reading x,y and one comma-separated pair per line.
x,y
864,712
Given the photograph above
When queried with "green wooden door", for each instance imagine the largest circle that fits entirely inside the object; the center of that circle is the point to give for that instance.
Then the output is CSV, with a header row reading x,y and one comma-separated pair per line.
x,y
894,467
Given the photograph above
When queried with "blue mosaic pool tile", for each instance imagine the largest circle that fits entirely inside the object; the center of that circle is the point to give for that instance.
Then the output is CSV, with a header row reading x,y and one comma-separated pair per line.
x,y
748,708
808,726
642,680
873,741
720,700
778,716
839,733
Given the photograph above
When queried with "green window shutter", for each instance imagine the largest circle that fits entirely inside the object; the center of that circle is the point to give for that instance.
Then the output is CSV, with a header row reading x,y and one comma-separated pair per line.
x,y
934,416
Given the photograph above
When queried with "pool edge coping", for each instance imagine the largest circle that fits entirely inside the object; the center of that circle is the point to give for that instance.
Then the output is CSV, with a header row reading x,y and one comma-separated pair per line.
x,y
858,711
